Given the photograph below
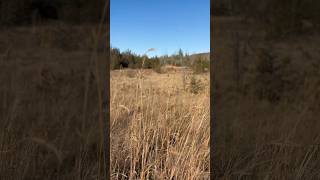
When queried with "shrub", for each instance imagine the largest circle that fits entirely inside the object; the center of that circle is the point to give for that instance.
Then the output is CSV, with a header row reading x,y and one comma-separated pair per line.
x,y
115,58
200,65
156,65
196,85
126,59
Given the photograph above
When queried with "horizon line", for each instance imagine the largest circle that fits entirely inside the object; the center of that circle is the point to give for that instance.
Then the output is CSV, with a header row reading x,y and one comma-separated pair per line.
x,y
164,54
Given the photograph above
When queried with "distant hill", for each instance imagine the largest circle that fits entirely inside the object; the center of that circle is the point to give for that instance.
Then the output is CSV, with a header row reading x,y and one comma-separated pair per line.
x,y
204,55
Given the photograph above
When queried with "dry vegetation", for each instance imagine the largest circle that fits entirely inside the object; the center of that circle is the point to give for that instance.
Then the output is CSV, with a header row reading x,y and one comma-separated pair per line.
x,y
267,103
159,124
49,114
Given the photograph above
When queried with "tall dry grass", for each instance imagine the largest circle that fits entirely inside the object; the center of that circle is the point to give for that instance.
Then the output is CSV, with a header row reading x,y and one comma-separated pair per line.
x,y
158,130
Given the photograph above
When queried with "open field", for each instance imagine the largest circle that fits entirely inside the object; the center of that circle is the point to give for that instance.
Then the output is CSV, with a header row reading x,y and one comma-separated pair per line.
x,y
48,111
267,109
159,128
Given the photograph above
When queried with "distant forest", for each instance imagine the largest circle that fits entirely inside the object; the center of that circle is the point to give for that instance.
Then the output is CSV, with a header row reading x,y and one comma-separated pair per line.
x,y
24,12
199,63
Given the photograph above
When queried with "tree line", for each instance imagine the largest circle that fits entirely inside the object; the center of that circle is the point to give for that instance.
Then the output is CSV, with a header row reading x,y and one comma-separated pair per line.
x,y
128,59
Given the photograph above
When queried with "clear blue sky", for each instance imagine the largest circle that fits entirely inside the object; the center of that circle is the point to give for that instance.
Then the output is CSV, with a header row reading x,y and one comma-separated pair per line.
x,y
166,25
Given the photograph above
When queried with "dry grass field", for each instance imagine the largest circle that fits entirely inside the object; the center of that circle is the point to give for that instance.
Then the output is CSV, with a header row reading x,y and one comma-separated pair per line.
x,y
49,115
159,124
267,109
